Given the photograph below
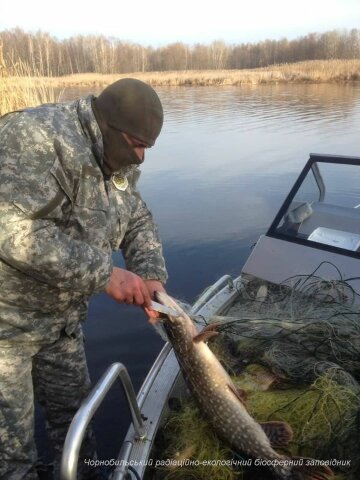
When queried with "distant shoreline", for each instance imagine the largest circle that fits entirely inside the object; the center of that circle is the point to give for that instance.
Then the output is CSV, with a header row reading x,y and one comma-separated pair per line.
x,y
26,88
315,71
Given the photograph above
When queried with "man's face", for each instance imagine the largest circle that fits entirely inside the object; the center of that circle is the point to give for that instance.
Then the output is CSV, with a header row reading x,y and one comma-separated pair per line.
x,y
130,106
121,149
138,146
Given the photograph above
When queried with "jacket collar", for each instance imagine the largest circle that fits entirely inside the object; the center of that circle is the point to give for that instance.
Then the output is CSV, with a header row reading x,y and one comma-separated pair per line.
x,y
92,130
90,126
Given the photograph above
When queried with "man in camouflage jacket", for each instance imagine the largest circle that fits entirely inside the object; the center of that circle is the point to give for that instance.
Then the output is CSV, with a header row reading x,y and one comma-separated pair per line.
x,y
68,199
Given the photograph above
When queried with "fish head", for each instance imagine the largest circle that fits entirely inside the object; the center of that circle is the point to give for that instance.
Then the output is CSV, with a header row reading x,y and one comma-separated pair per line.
x,y
168,302
180,316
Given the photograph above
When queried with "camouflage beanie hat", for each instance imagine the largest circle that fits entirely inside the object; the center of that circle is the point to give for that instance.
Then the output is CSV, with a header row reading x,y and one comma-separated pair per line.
x,y
133,107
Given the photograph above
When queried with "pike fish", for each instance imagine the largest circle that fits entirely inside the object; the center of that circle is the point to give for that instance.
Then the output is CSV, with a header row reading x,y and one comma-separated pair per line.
x,y
224,404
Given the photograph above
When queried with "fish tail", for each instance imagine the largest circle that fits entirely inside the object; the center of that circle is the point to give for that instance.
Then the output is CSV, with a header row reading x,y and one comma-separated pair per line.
x,y
301,468
313,470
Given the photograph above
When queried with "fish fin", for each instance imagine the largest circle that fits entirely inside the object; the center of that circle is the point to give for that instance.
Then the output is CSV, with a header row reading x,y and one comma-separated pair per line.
x,y
312,472
266,379
204,336
239,393
212,327
263,377
280,434
206,333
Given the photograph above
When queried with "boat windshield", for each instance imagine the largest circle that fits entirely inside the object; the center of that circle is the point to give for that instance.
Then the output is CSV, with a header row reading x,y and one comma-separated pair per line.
x,y
323,207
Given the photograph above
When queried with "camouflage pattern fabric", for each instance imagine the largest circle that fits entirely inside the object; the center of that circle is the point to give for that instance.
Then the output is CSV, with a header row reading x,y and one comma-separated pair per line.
x,y
59,222
56,373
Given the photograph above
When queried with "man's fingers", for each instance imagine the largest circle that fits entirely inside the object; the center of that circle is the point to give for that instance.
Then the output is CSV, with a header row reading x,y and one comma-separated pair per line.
x,y
153,316
150,313
127,287
146,295
139,298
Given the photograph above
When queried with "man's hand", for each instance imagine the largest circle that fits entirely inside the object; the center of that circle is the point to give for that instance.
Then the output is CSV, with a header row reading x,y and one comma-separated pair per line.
x,y
153,286
127,287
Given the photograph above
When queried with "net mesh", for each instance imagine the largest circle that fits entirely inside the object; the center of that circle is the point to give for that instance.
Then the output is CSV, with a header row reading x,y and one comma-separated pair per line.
x,y
306,334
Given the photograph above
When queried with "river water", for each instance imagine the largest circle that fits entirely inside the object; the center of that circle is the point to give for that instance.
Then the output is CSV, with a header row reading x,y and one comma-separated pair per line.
x,y
225,160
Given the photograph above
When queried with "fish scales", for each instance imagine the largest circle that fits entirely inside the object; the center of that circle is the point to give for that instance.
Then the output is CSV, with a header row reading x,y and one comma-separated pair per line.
x,y
209,382
215,392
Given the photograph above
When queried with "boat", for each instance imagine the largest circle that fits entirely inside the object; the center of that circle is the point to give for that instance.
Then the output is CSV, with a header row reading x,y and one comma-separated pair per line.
x,y
317,229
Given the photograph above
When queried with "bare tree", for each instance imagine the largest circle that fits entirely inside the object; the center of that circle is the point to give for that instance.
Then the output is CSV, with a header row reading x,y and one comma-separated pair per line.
x,y
47,55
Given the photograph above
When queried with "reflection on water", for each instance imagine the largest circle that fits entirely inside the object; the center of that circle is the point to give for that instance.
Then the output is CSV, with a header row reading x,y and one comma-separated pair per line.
x,y
220,170
227,156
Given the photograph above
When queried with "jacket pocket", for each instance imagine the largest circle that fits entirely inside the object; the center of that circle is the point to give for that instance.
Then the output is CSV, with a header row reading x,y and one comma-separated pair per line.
x,y
91,191
41,197
89,218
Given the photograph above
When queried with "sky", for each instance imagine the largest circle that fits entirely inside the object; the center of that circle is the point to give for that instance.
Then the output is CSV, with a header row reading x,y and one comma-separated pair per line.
x,y
160,22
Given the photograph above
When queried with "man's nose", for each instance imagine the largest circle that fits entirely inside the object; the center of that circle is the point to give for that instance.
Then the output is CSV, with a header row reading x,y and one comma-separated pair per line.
x,y
140,152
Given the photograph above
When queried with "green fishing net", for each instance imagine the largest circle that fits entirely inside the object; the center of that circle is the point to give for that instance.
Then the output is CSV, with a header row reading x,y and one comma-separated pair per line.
x,y
295,350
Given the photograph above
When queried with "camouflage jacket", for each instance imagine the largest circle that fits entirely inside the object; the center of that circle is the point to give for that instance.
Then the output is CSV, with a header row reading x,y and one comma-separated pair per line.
x,y
59,218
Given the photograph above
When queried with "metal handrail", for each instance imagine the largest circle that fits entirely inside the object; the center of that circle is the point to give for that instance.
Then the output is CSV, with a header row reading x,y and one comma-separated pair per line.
x,y
121,470
76,432
319,181
212,291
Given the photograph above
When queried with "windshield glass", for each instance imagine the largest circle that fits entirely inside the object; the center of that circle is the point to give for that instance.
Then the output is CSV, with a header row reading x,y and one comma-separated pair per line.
x,y
326,207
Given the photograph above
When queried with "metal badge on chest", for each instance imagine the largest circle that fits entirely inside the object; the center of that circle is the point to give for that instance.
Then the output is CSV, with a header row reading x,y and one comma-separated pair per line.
x,y
120,181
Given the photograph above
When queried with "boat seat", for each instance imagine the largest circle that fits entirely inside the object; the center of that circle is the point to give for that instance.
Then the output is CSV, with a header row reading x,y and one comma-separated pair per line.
x,y
345,219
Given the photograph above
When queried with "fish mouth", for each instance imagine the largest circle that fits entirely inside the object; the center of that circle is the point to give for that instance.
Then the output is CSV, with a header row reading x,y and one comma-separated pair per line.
x,y
160,297
164,299
163,315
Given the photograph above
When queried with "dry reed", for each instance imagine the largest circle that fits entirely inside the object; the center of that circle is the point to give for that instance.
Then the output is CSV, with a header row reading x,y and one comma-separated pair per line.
x,y
21,87
315,71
